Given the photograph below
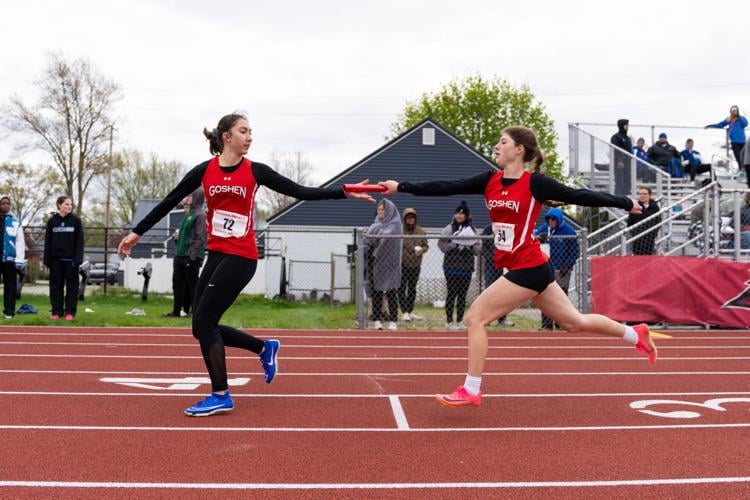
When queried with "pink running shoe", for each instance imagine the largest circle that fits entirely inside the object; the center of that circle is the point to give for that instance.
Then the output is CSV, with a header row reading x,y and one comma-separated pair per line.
x,y
69,317
459,397
55,316
645,345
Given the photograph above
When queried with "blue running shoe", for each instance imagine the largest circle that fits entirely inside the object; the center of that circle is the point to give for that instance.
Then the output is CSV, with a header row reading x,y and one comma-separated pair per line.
x,y
213,403
268,358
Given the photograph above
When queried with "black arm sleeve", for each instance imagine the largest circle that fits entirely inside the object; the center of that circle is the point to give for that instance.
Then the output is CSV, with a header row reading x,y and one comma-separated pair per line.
x,y
266,176
187,185
471,185
545,188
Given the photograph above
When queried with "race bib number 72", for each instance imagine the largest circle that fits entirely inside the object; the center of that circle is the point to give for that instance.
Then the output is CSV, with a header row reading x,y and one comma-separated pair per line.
x,y
228,224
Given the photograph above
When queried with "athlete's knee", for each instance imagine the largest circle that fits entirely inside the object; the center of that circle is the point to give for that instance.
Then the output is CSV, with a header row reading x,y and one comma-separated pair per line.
x,y
573,323
476,317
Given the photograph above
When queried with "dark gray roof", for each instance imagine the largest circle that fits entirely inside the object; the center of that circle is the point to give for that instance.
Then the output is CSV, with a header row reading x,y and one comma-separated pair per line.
x,y
157,235
404,158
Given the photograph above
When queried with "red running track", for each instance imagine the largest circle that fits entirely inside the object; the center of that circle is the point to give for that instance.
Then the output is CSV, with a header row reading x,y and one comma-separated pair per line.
x,y
95,412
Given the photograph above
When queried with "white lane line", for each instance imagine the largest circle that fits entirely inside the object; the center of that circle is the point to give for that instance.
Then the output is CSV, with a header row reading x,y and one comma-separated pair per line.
x,y
398,413
378,486
365,429
377,396
399,358
192,345
507,374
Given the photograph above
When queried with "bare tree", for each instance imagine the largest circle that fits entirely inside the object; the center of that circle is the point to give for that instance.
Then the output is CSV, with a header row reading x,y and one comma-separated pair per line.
x,y
136,178
291,165
30,190
71,121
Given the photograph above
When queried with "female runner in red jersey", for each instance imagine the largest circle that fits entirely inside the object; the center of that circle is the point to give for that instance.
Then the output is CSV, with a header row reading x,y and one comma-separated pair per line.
x,y
514,197
230,182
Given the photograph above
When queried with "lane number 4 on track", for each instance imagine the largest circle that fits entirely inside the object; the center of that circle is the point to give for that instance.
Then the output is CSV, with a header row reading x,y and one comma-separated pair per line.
x,y
169,384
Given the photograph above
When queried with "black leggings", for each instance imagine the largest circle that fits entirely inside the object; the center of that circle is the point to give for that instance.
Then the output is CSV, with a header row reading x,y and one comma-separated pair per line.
x,y
377,305
458,286
223,278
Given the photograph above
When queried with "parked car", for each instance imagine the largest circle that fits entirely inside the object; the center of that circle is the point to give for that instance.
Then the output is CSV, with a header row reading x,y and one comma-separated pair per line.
x,y
98,273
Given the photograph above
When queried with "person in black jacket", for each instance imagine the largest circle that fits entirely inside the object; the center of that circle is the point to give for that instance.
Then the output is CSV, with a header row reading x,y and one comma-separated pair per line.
x,y
622,160
663,154
645,245
63,254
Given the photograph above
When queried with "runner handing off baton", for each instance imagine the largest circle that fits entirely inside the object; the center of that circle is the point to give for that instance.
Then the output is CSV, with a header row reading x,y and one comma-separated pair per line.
x,y
514,196
230,182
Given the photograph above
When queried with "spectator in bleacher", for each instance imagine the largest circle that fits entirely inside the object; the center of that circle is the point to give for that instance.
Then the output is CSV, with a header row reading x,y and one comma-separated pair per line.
x,y
744,223
663,154
491,273
736,124
411,265
188,256
563,251
643,172
692,163
746,162
622,161
385,275
458,263
13,253
645,245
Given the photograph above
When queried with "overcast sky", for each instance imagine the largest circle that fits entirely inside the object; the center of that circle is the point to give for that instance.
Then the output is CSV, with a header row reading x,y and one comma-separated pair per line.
x,y
327,78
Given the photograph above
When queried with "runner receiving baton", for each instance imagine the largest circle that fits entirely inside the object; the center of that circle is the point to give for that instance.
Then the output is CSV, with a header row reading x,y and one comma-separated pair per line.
x,y
514,197
230,182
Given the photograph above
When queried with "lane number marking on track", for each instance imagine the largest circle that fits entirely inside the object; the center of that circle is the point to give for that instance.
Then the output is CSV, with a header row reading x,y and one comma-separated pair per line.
x,y
169,384
710,404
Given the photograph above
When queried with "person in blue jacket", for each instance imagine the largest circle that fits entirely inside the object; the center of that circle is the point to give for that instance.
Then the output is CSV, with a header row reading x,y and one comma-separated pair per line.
x,y
692,162
13,254
735,123
563,250
643,173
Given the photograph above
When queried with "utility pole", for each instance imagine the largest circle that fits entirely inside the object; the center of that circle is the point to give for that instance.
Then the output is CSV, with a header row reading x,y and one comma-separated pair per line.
x,y
106,208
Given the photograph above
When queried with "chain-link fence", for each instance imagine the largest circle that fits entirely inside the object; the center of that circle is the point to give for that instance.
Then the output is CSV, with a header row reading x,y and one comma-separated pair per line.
x,y
395,290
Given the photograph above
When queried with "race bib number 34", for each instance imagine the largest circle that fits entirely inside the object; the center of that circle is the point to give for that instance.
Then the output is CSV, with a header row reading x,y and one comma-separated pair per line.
x,y
504,236
228,224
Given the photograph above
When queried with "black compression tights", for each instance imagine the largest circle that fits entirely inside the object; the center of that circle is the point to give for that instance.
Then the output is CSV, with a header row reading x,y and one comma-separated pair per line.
x,y
223,278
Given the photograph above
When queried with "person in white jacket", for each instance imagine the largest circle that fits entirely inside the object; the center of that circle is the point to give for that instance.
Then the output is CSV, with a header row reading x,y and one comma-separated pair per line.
x,y
13,255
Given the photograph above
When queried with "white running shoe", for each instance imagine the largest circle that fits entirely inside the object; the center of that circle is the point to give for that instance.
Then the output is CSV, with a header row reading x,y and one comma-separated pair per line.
x,y
406,317
416,317
392,325
449,326
458,326
377,325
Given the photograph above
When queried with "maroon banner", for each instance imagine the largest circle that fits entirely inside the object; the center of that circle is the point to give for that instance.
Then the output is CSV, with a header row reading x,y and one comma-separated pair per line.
x,y
678,290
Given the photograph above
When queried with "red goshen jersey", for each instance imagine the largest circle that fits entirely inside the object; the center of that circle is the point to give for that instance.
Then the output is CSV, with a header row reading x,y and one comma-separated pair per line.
x,y
513,213
230,198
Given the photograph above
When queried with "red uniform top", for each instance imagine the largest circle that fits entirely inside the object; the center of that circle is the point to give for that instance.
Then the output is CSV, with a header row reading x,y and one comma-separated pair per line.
x,y
230,198
513,213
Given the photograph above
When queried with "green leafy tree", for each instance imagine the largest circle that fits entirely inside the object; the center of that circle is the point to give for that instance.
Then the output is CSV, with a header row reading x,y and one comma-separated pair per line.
x,y
477,110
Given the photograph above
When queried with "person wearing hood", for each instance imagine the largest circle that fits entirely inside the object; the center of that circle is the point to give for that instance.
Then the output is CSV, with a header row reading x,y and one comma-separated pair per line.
x,y
384,255
63,254
411,264
622,161
563,251
189,252
13,255
459,244
645,245
735,124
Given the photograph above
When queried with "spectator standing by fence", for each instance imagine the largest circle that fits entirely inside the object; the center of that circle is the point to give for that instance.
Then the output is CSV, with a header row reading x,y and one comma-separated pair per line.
x,y
646,244
735,124
411,264
385,255
458,263
13,255
63,254
188,256
563,252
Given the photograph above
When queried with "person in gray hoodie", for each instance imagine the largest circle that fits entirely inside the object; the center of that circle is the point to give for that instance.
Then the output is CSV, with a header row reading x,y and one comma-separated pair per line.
x,y
411,264
189,252
384,268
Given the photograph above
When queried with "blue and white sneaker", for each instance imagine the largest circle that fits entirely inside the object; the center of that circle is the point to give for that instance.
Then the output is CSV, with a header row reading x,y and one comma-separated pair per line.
x,y
213,403
268,358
